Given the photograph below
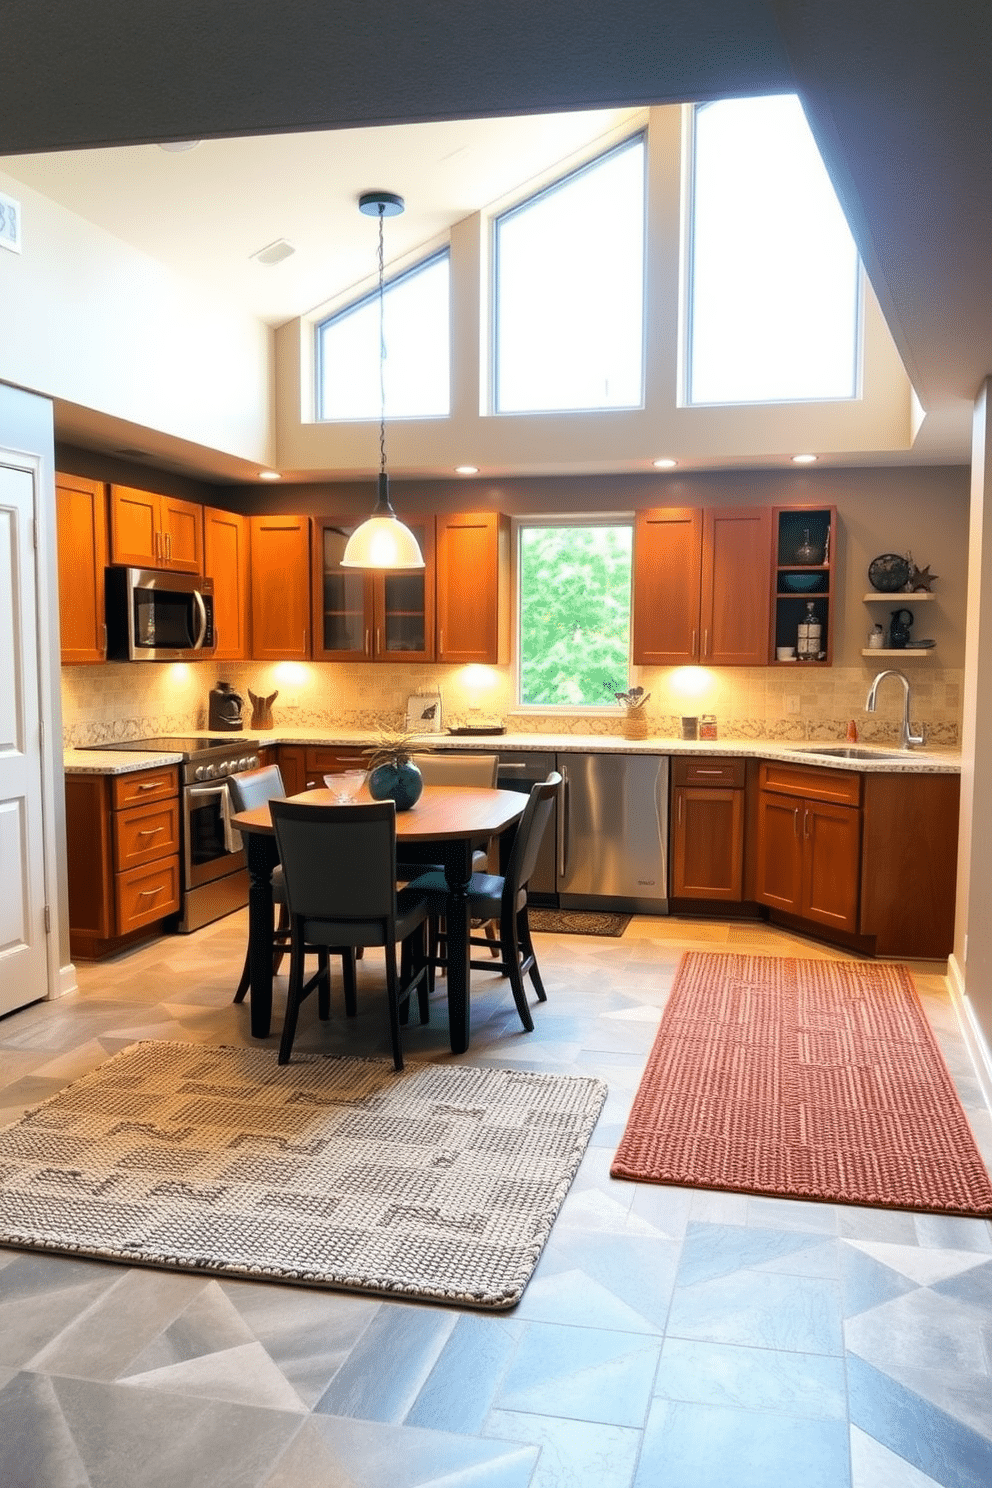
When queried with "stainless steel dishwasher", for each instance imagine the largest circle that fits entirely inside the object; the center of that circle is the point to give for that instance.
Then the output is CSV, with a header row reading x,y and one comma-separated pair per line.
x,y
613,832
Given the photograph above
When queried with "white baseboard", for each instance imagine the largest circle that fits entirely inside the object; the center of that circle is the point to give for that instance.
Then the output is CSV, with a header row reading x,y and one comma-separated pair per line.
x,y
977,1043
66,981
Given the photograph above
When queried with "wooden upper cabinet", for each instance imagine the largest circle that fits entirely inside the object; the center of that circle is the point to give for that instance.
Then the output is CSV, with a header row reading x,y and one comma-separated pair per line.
x,y
473,551
700,586
734,595
81,514
225,561
148,530
668,556
280,588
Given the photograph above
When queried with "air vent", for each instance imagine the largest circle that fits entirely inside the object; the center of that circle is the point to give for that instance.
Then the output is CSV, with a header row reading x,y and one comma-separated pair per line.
x,y
274,253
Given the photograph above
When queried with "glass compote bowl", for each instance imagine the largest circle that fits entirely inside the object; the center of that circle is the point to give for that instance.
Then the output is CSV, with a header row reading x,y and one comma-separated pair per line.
x,y
346,784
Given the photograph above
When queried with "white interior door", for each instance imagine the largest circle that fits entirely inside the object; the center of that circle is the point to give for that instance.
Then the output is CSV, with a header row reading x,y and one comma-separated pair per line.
x,y
23,950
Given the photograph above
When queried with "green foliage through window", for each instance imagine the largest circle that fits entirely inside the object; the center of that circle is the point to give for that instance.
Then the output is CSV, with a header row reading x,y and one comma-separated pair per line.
x,y
574,613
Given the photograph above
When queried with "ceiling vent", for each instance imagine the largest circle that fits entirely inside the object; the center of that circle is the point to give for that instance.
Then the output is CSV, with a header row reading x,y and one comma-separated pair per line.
x,y
274,253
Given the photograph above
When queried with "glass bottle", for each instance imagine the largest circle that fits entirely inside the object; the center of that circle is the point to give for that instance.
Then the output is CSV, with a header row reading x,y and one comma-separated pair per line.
x,y
808,638
807,553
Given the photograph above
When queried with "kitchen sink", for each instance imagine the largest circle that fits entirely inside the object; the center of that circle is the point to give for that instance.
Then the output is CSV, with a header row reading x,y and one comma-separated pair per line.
x,y
850,751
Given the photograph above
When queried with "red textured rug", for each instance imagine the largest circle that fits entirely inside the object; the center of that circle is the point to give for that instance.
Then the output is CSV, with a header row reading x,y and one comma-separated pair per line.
x,y
802,1079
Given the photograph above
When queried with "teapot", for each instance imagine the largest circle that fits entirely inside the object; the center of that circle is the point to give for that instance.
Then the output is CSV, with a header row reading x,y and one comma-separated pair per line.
x,y
899,636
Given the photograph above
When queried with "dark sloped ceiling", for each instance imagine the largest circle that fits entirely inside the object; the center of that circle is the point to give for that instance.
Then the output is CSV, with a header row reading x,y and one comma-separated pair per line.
x,y
897,92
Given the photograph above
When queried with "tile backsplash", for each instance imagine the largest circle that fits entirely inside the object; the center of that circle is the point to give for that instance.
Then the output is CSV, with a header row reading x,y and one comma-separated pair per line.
x,y
132,701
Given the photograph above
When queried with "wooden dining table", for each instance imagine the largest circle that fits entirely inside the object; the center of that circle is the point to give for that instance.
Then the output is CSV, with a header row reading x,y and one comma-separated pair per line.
x,y
445,826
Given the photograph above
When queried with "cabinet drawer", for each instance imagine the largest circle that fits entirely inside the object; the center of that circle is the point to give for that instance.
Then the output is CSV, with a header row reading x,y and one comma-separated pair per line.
x,y
689,770
145,785
144,833
147,894
329,760
840,786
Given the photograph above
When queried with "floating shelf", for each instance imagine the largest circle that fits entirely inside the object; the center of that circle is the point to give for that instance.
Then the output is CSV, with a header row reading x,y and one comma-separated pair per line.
x,y
899,597
892,651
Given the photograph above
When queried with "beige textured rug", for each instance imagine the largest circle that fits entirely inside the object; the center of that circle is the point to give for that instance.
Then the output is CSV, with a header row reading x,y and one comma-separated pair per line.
x,y
440,1183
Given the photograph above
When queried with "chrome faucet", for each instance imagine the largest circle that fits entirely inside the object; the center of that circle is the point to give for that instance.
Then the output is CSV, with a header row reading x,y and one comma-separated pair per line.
x,y
907,737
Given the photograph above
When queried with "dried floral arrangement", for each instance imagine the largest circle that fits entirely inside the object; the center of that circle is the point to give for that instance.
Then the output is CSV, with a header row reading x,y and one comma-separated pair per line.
x,y
634,697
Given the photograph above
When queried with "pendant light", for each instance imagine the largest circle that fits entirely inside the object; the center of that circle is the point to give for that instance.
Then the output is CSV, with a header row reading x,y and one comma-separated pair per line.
x,y
382,542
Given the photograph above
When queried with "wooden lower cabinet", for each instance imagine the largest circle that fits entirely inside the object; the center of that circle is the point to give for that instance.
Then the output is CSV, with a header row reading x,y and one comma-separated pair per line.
x,y
871,858
291,759
304,766
809,844
122,836
707,859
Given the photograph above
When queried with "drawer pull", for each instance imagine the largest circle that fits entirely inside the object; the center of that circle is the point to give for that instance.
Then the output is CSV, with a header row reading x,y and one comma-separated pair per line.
x,y
149,893
150,785
150,831
700,771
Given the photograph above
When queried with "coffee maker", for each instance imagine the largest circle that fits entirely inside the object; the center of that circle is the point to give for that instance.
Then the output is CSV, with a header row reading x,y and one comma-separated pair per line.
x,y
225,709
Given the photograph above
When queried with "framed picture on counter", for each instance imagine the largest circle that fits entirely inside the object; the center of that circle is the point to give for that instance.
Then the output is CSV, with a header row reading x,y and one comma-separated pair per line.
x,y
423,713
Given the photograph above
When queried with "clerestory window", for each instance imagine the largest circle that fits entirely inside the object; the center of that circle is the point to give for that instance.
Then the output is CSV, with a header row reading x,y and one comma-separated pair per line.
x,y
569,291
416,342
774,290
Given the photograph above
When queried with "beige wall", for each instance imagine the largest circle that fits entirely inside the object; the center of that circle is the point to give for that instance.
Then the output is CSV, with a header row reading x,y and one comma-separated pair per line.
x,y
924,510
94,323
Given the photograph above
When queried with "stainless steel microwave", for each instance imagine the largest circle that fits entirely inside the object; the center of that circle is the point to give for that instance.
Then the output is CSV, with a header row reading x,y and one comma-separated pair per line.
x,y
157,616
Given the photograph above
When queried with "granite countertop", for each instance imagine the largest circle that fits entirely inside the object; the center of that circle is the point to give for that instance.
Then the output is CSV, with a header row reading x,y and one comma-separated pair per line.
x,y
877,759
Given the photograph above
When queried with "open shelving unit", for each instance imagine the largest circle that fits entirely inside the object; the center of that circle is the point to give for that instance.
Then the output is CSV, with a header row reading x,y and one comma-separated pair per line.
x,y
893,601
794,583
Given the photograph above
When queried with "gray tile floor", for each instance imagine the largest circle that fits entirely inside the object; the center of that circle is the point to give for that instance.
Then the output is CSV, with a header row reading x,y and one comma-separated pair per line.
x,y
669,1336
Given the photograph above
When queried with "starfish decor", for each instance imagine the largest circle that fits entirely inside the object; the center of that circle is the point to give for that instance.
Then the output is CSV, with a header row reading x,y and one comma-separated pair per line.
x,y
921,579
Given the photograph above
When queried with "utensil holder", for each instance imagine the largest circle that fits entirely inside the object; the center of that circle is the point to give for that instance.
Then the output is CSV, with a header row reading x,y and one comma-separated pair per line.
x,y
635,724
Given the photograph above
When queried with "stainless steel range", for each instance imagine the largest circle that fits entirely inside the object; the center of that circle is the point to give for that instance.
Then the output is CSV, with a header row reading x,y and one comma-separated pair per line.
x,y
214,875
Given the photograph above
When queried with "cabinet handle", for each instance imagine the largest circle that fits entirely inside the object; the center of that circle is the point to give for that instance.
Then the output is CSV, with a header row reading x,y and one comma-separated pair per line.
x,y
103,627
805,823
168,547
150,831
706,642
149,893
378,641
440,642
150,785
368,643
795,821
700,771
692,648
680,809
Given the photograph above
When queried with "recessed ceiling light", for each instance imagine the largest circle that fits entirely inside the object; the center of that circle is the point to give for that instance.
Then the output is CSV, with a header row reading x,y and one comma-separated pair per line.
x,y
664,464
273,253
269,475
179,147
466,469
804,459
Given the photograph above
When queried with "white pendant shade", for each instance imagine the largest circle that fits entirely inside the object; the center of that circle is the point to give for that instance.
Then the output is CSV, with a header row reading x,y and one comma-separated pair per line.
x,y
382,542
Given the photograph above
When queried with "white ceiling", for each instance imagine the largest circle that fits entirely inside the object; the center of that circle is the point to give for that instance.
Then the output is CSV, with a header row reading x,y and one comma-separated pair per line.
x,y
204,212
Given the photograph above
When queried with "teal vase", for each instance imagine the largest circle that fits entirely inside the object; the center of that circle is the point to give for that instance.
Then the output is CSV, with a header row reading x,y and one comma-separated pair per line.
x,y
400,783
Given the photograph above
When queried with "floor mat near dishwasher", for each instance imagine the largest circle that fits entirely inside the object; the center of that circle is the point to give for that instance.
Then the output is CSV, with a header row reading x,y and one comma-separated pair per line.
x,y
578,922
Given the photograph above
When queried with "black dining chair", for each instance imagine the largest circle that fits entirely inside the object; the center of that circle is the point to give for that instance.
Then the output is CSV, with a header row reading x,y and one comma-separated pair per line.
x,y
339,867
253,788
503,898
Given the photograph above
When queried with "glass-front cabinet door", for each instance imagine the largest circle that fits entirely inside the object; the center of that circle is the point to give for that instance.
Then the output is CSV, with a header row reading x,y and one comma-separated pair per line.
x,y
371,616
404,604
343,620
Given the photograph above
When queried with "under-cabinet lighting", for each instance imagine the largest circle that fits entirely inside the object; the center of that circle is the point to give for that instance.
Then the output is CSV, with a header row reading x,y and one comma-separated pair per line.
x,y
466,469
664,464
804,459
269,475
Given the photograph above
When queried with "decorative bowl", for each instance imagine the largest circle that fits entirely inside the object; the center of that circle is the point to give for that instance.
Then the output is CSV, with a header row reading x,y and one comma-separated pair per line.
x,y
888,573
345,784
801,583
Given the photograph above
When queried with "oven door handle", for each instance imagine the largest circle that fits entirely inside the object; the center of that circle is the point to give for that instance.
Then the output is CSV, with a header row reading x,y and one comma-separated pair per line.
x,y
204,792
201,607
